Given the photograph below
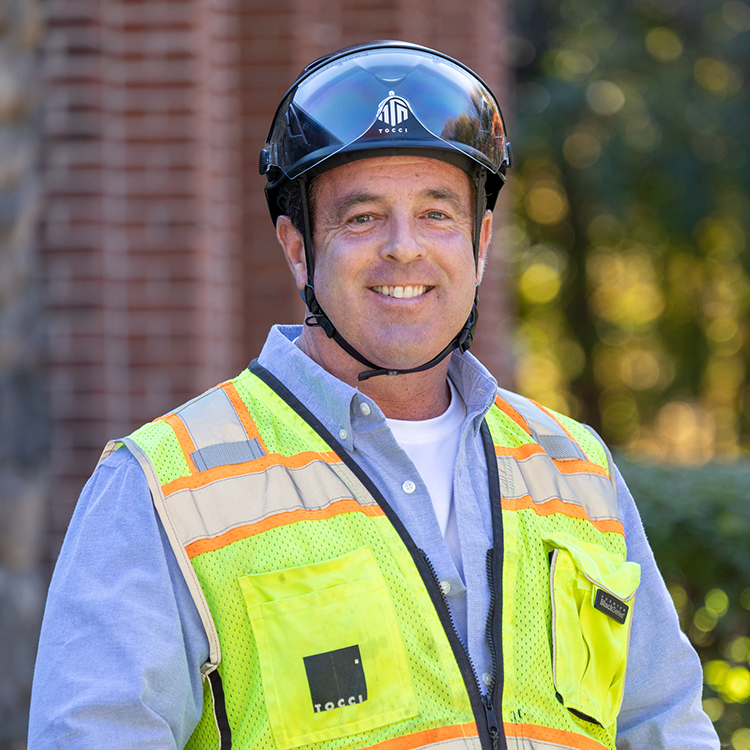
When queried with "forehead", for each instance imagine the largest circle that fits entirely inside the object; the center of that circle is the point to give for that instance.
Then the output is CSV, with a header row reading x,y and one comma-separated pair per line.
x,y
393,177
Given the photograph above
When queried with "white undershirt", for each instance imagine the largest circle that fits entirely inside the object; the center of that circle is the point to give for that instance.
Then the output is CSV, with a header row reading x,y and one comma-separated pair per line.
x,y
432,446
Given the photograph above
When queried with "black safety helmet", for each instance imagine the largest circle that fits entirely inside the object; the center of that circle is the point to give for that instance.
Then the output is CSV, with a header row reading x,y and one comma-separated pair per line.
x,y
384,98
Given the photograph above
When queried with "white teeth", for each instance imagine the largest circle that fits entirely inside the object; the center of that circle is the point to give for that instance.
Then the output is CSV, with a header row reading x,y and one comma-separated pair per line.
x,y
401,292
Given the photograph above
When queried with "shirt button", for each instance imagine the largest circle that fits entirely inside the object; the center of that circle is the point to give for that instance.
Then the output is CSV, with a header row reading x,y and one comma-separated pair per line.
x,y
343,434
408,486
365,409
445,587
487,679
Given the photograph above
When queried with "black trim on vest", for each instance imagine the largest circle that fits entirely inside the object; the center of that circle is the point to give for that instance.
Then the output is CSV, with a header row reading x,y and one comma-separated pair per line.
x,y
220,710
495,566
459,651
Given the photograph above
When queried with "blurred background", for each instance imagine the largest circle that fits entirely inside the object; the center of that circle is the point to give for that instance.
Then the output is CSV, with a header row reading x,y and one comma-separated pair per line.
x,y
138,264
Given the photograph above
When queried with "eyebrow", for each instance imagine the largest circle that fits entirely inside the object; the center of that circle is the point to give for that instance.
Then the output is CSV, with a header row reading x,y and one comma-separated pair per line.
x,y
355,199
445,194
348,201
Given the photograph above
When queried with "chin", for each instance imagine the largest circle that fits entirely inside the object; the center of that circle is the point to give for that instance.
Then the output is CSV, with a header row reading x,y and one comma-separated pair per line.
x,y
403,354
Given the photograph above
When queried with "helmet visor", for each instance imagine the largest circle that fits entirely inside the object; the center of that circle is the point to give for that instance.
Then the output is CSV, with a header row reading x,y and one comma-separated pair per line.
x,y
386,97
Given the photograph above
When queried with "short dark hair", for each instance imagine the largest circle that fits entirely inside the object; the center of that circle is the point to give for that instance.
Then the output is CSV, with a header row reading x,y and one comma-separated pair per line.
x,y
290,203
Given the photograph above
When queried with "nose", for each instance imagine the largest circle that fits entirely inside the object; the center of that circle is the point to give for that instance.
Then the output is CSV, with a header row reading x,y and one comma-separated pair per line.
x,y
402,243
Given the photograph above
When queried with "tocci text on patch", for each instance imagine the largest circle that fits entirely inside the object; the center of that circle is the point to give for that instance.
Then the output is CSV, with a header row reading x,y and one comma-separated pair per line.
x,y
611,606
336,679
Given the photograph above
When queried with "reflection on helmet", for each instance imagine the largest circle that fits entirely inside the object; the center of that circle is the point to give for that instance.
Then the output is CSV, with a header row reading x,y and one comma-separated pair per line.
x,y
386,97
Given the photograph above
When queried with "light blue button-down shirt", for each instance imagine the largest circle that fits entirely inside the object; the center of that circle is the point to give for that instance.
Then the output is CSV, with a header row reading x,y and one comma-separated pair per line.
x,y
122,644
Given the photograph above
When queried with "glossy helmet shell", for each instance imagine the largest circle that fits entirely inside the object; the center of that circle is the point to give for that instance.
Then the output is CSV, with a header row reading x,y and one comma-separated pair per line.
x,y
385,98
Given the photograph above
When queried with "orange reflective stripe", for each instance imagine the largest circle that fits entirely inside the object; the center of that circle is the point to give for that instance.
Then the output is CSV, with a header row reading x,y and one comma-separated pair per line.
x,y
521,452
555,736
509,411
555,505
183,438
200,479
566,466
579,466
280,519
243,413
428,737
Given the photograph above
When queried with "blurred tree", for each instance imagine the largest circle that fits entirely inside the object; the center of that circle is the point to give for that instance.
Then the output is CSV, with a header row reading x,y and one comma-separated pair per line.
x,y
632,202
632,206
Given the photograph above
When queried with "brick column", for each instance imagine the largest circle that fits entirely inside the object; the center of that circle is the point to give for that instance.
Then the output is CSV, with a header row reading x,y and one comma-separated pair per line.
x,y
220,173
143,232
163,272
269,64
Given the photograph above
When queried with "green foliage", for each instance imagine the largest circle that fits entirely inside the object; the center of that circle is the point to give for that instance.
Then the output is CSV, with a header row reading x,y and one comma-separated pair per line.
x,y
632,211
698,523
631,194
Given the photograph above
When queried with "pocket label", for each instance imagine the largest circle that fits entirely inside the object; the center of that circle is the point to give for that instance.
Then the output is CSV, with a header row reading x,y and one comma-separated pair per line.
x,y
336,679
611,606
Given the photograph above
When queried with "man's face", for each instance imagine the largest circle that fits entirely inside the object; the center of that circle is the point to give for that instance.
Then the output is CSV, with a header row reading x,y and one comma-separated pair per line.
x,y
394,263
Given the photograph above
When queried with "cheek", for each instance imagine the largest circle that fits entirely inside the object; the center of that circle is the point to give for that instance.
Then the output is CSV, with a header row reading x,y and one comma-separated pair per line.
x,y
332,275
340,265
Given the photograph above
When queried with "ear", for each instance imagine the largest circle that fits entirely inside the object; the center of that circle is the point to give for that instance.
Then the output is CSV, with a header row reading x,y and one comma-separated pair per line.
x,y
293,246
485,235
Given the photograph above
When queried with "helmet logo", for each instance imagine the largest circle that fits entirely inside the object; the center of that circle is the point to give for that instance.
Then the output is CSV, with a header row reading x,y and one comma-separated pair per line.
x,y
393,112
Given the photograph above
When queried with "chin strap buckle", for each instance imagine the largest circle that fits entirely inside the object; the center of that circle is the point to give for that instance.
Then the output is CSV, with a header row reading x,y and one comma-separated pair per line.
x,y
317,318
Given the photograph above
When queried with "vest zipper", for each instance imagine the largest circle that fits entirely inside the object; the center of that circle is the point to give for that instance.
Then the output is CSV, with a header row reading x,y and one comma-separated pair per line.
x,y
497,739
492,721
493,725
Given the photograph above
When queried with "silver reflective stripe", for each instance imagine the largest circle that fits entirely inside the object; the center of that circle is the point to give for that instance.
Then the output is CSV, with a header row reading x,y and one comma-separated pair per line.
x,y
358,490
211,419
524,743
222,505
544,429
196,592
538,477
459,743
537,419
223,454
559,446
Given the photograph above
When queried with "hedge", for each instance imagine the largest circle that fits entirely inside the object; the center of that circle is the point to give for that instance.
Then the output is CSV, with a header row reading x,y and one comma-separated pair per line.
x,y
698,522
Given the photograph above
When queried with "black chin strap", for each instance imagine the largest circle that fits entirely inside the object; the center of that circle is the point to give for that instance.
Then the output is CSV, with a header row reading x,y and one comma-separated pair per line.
x,y
318,318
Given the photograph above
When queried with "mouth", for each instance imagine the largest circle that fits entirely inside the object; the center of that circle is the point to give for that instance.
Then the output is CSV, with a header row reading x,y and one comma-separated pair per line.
x,y
401,292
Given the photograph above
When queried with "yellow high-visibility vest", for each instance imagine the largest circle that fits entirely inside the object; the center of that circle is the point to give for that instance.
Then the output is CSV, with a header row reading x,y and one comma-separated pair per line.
x,y
326,625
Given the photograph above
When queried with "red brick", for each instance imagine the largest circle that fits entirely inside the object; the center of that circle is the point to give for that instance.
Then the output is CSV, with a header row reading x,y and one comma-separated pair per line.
x,y
161,266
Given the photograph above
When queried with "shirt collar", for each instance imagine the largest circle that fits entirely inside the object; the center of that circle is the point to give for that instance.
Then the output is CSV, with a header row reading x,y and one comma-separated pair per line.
x,y
331,400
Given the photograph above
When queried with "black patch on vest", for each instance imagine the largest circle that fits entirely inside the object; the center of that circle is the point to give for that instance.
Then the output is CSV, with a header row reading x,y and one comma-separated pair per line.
x,y
336,679
611,606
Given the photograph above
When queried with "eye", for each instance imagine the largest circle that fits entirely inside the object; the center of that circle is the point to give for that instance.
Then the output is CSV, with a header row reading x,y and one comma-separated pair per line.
x,y
438,215
362,219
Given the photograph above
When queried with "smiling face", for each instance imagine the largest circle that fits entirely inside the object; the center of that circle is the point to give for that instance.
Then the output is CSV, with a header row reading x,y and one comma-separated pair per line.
x,y
394,262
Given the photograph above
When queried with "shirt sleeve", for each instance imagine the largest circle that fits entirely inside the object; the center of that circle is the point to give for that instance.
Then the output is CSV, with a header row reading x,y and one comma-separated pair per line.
x,y
663,688
121,645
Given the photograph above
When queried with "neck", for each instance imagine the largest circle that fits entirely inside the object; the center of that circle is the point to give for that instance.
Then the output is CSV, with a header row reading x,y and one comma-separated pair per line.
x,y
420,395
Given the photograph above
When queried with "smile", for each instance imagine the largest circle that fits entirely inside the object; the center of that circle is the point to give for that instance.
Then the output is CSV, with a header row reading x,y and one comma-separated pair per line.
x,y
401,292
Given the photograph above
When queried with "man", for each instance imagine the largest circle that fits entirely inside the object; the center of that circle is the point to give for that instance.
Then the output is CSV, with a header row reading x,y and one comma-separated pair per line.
x,y
360,541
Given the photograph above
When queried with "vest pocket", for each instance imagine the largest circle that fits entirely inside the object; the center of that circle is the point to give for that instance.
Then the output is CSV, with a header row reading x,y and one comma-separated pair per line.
x,y
332,659
593,592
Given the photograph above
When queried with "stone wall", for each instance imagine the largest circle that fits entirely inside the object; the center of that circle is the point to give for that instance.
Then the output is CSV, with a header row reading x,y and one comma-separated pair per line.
x,y
24,430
